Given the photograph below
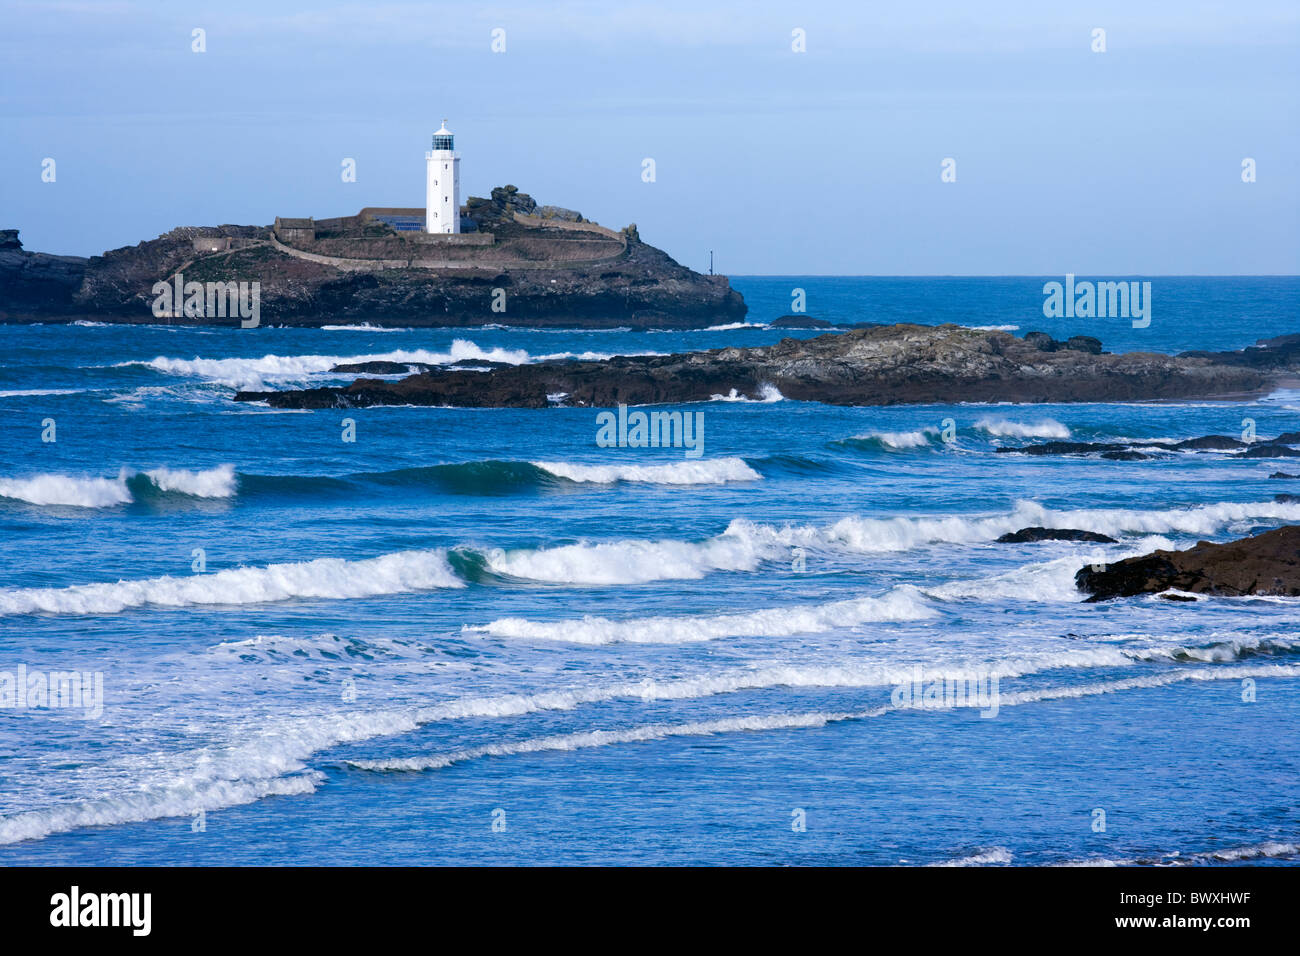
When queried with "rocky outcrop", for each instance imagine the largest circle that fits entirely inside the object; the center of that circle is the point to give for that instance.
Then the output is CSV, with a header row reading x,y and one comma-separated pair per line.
x,y
886,365
1127,451
1266,564
1035,534
557,270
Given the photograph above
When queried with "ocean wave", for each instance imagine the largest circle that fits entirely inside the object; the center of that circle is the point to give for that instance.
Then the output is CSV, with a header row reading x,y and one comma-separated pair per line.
x,y
785,721
252,374
323,578
267,759
34,392
603,738
1047,428
712,472
989,856
894,441
72,491
907,533
902,604
1271,849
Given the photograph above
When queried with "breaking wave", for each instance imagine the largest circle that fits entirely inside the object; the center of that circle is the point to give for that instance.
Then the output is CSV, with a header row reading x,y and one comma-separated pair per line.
x,y
902,604
253,374
1048,428
71,491
714,472
328,578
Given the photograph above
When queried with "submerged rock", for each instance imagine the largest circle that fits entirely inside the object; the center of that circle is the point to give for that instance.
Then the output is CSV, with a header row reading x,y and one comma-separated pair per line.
x,y
1026,535
1266,564
800,322
1270,451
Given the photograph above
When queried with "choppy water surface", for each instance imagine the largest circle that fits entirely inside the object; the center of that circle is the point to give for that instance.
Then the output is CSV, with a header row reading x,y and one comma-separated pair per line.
x,y
371,651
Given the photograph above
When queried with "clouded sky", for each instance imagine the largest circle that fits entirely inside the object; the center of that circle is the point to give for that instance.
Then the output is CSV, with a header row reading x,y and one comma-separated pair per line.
x,y
1123,162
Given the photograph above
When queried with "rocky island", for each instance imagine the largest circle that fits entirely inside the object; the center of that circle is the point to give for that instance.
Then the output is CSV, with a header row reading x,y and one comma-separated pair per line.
x,y
513,263
880,365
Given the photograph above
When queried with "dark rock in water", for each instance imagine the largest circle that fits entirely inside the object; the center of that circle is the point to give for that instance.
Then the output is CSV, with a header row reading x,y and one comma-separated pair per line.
x,y
1273,353
383,368
1287,438
1287,499
1124,456
1209,442
1282,474
1083,343
888,365
1027,535
1041,341
1267,563
1270,451
1065,448
1177,597
800,322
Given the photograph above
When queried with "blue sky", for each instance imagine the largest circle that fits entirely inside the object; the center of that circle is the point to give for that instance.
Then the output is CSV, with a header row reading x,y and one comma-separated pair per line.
x,y
1126,162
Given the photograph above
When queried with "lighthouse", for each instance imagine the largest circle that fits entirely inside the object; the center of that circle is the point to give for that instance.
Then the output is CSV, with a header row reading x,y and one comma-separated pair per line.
x,y
442,197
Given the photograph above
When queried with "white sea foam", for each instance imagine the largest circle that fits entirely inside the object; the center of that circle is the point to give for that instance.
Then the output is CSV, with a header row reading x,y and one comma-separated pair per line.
x,y
363,327
324,578
602,738
72,491
32,392
901,604
767,394
716,471
216,482
990,856
915,439
266,758
67,490
1047,428
253,373
902,534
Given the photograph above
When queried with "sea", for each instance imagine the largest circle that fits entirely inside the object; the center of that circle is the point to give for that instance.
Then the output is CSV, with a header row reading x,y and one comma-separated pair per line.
x,y
236,635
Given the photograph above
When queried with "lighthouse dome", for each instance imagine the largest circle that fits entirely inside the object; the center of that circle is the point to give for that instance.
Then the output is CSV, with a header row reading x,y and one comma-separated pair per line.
x,y
443,139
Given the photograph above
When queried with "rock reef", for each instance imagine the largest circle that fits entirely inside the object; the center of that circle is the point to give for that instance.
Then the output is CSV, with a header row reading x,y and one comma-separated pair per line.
x,y
1265,564
883,365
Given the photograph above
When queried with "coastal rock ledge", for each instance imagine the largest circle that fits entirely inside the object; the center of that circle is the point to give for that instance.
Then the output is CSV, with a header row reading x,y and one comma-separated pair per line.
x,y
1266,564
887,365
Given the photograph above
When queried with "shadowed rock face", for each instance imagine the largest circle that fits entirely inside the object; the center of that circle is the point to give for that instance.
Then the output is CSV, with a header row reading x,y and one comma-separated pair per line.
x,y
885,365
1267,563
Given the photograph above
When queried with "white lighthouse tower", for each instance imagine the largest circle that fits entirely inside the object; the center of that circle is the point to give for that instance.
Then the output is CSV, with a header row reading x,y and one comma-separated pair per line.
x,y
442,197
